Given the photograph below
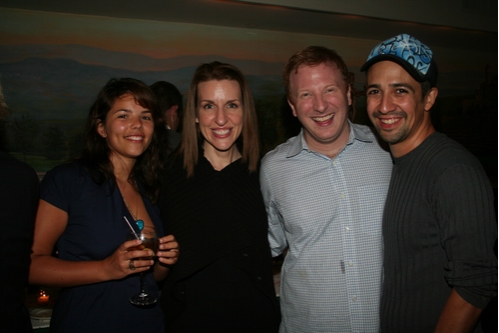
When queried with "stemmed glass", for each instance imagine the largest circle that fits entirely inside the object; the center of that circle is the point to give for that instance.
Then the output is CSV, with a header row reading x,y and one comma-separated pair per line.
x,y
149,242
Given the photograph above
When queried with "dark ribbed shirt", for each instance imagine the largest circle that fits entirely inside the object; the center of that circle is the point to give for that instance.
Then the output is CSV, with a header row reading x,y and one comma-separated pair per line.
x,y
439,229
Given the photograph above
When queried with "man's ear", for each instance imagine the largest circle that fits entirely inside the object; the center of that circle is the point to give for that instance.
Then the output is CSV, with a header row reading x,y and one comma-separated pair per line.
x,y
430,99
292,107
349,95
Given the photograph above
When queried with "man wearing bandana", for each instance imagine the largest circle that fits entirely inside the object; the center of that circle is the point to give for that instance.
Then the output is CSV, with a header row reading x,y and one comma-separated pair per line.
x,y
439,224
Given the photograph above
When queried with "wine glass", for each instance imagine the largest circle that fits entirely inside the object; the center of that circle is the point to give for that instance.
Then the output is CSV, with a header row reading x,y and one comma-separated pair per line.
x,y
149,242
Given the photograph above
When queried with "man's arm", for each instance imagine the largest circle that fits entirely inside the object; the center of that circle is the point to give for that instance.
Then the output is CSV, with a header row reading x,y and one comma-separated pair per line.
x,y
457,315
276,235
468,233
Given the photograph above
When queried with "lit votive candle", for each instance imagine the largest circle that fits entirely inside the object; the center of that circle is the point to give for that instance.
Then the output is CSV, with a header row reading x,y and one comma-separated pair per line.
x,y
43,297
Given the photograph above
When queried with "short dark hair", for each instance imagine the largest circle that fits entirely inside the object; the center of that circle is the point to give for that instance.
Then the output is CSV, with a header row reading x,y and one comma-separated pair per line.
x,y
167,95
96,152
191,136
425,88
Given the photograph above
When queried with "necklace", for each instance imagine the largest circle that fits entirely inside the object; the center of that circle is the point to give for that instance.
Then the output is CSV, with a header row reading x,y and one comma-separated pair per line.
x,y
138,222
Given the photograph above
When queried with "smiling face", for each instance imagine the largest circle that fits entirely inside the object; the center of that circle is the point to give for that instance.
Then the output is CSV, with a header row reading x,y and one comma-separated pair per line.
x,y
319,98
128,129
396,107
219,115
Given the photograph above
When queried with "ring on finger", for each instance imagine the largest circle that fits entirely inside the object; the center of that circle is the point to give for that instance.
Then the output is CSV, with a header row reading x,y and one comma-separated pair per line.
x,y
131,265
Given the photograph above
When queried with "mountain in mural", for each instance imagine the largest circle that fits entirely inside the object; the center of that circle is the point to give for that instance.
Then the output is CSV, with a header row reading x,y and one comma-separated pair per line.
x,y
65,88
61,81
129,60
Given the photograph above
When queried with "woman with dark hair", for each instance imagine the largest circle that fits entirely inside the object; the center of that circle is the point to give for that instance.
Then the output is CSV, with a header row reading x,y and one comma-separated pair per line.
x,y
87,208
211,201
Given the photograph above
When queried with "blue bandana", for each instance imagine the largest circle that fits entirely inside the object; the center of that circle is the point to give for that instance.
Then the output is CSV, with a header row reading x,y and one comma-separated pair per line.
x,y
410,53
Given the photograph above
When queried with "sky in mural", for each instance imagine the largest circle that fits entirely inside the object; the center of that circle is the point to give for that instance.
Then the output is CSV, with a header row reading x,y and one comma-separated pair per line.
x,y
160,40
151,38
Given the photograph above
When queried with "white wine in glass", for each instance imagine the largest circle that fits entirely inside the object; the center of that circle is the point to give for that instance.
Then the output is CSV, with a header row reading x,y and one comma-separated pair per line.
x,y
149,242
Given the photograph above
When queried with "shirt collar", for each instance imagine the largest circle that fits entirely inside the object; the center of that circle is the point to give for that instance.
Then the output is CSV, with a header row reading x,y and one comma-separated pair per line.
x,y
300,144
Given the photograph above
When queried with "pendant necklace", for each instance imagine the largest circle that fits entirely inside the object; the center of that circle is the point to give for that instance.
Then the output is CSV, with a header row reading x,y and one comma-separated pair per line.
x,y
139,222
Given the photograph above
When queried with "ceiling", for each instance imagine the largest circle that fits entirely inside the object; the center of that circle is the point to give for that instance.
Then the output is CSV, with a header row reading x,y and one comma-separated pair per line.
x,y
466,14
319,17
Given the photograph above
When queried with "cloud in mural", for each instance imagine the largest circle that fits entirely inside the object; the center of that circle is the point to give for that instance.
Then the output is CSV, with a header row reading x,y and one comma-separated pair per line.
x,y
152,38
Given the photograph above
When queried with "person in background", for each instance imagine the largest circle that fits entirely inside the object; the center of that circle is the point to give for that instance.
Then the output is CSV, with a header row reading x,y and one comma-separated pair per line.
x,y
170,104
82,211
324,191
211,201
439,224
18,204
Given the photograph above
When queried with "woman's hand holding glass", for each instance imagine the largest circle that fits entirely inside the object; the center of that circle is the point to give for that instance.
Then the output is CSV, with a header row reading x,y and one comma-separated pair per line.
x,y
118,264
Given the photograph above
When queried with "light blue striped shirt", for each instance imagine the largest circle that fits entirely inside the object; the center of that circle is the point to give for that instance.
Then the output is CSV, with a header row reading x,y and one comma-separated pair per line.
x,y
328,213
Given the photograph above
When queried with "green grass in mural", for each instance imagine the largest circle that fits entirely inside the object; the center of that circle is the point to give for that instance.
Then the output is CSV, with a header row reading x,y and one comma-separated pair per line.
x,y
37,162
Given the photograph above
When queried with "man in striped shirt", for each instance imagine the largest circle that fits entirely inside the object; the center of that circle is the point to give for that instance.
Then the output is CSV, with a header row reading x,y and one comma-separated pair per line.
x,y
324,192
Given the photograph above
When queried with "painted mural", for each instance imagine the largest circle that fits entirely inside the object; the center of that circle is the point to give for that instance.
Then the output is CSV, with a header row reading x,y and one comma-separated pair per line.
x,y
53,65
